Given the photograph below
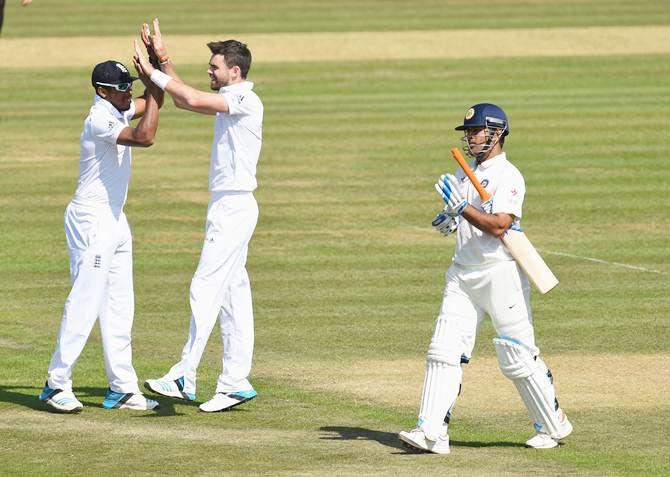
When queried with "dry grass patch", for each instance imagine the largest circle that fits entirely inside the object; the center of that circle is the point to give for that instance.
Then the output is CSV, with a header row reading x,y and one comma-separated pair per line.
x,y
593,382
353,46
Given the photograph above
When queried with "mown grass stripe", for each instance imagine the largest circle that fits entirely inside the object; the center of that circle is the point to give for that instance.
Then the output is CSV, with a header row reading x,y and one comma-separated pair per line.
x,y
353,46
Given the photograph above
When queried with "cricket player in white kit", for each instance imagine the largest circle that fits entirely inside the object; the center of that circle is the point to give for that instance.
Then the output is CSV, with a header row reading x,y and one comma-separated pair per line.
x,y
100,243
220,287
483,280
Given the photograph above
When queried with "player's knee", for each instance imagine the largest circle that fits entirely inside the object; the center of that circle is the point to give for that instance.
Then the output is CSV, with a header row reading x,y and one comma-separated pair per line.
x,y
515,361
440,353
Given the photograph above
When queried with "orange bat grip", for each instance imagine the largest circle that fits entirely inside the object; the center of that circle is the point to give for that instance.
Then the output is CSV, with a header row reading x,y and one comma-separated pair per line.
x,y
470,173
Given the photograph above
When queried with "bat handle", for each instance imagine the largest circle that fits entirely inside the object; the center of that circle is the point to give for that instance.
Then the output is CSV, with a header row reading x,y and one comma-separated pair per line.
x,y
470,173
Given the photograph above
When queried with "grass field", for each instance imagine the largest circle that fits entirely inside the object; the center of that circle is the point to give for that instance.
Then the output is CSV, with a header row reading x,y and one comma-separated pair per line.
x,y
346,272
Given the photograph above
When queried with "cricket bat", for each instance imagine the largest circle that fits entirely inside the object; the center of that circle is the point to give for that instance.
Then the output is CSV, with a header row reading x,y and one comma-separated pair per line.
x,y
515,240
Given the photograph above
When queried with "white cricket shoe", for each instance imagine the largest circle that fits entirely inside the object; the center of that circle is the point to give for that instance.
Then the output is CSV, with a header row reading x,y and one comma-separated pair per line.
x,y
167,388
61,401
417,440
542,440
114,400
226,401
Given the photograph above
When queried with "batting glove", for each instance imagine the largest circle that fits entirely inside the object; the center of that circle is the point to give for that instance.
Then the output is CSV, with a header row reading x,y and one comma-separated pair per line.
x,y
445,223
448,188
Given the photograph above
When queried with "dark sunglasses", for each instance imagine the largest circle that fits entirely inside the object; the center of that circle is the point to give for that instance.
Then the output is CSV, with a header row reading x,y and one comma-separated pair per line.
x,y
123,87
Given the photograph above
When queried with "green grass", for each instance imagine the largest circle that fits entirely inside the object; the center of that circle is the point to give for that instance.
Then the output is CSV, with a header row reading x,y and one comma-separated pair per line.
x,y
122,17
345,270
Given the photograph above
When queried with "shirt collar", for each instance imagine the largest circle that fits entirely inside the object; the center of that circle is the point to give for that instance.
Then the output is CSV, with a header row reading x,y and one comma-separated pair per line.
x,y
493,161
97,99
243,86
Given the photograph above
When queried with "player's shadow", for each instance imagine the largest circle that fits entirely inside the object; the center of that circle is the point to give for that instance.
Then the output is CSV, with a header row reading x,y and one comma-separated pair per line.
x,y
390,439
360,434
27,396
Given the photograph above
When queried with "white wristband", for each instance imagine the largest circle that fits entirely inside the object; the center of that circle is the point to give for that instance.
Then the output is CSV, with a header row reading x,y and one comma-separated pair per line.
x,y
160,79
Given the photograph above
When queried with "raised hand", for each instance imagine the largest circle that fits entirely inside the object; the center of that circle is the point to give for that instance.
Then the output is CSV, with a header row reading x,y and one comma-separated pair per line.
x,y
156,41
450,191
145,35
142,65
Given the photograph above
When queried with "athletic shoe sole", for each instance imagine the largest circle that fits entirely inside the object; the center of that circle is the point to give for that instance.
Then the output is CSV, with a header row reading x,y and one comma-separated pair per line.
x,y
177,395
228,408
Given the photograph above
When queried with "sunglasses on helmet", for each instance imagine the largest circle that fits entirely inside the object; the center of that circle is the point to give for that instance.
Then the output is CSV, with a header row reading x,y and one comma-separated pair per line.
x,y
123,87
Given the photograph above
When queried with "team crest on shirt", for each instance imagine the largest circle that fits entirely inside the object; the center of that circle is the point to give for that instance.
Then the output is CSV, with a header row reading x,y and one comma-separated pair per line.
x,y
111,125
513,192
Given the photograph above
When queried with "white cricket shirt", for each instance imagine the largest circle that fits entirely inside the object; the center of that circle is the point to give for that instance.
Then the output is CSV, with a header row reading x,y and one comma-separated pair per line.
x,y
104,166
237,140
505,183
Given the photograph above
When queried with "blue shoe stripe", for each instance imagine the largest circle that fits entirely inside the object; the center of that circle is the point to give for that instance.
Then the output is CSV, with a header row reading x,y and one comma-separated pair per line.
x,y
248,394
47,393
114,400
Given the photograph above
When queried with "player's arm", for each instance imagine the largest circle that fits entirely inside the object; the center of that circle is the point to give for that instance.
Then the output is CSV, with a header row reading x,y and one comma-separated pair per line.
x,y
183,96
144,133
495,224
141,101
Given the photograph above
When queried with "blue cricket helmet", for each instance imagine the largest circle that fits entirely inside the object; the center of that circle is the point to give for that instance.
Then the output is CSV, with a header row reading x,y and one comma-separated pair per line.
x,y
485,115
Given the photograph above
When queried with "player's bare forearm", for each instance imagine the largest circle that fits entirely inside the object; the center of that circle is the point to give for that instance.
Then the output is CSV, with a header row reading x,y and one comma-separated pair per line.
x,y
185,97
169,69
157,93
494,224
144,133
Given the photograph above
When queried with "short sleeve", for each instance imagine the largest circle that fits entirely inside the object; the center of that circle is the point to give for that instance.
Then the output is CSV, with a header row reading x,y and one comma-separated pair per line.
x,y
241,103
509,194
105,126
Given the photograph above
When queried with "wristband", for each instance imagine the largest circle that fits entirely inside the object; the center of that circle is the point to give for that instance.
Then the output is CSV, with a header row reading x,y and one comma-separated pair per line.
x,y
164,61
160,79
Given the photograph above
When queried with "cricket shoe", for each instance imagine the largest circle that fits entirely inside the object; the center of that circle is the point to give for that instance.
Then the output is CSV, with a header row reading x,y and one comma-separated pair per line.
x,y
417,440
114,400
61,401
226,401
167,388
542,440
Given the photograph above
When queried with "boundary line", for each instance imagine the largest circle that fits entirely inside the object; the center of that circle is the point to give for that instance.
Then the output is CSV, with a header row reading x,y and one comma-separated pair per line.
x,y
605,262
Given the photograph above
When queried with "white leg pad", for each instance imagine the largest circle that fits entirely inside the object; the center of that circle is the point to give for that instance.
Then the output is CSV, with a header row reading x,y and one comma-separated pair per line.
x,y
532,383
440,389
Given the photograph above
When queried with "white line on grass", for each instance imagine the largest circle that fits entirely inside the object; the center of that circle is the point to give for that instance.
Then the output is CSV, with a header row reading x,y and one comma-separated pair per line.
x,y
605,262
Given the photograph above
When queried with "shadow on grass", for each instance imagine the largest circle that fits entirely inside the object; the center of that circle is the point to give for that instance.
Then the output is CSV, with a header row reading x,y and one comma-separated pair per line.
x,y
360,433
28,396
390,439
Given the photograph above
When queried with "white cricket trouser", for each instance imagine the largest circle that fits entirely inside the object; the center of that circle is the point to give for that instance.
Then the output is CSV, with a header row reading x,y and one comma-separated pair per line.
x,y
501,291
221,288
101,269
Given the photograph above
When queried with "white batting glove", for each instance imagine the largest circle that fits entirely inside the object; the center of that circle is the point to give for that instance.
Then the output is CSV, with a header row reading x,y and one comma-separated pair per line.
x,y
450,191
445,223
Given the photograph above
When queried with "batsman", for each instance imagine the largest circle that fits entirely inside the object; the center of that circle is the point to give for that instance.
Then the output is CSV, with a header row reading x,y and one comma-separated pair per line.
x,y
484,279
